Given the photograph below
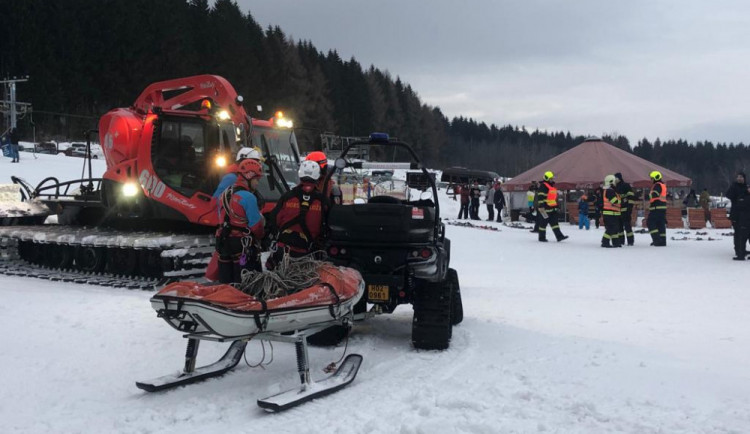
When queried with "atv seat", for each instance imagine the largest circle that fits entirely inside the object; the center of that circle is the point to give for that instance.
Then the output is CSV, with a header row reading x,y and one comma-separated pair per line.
x,y
385,199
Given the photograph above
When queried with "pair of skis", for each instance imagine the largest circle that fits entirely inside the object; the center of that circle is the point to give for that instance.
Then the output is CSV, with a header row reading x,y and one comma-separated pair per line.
x,y
472,225
308,389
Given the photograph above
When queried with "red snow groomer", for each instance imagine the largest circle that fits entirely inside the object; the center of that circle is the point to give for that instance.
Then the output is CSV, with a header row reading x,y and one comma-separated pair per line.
x,y
165,156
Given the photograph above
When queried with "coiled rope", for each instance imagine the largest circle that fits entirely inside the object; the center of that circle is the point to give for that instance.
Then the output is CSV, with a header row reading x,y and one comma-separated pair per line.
x,y
289,276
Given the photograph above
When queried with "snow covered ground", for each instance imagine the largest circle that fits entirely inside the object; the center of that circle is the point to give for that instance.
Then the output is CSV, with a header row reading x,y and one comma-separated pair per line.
x,y
558,337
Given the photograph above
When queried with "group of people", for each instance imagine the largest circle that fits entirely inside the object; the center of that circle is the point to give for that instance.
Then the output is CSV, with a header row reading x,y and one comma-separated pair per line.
x,y
614,202
494,199
617,203
295,223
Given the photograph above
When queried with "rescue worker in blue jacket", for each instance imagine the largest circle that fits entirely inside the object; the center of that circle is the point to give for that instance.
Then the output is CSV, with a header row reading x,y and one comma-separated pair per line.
x,y
547,202
231,176
657,210
611,205
627,196
242,225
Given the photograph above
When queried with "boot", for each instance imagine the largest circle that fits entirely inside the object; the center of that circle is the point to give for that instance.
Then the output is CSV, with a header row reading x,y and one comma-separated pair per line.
x,y
563,238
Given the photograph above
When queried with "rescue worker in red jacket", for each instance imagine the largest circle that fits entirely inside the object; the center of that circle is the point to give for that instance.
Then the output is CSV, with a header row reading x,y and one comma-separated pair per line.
x,y
331,191
241,228
657,211
298,217
611,210
547,202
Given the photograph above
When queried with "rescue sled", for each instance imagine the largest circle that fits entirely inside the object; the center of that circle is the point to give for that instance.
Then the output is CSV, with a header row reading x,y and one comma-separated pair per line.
x,y
223,313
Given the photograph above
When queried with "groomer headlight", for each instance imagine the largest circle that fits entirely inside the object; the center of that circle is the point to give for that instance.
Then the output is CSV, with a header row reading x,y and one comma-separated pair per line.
x,y
221,161
223,115
130,189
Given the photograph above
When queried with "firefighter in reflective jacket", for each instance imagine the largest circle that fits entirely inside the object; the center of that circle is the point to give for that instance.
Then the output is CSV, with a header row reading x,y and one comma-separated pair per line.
x,y
611,205
297,218
329,189
547,202
241,228
657,211
627,196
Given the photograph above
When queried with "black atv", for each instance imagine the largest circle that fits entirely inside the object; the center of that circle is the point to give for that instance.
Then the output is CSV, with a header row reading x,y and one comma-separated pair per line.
x,y
393,235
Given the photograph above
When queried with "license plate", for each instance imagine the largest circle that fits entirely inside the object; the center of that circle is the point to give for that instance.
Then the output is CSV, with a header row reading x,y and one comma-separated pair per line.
x,y
377,292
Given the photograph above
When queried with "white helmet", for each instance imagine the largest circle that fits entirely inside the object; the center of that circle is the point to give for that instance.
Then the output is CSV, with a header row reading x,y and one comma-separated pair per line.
x,y
309,171
609,181
244,153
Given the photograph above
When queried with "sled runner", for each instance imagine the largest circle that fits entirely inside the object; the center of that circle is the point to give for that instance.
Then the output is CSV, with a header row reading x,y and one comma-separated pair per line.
x,y
222,313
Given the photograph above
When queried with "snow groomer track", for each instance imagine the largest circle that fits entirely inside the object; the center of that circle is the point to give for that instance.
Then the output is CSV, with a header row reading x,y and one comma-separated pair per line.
x,y
100,256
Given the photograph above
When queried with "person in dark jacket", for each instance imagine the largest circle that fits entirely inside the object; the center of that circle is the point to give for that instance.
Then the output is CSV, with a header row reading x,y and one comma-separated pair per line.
x,y
627,198
739,194
534,209
598,203
14,145
499,201
464,210
475,194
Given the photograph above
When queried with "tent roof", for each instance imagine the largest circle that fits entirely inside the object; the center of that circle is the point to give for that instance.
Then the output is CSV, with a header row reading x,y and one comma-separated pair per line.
x,y
463,174
586,165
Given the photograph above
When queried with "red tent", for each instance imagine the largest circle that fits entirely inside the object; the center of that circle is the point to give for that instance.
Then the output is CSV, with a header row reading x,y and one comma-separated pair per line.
x,y
586,165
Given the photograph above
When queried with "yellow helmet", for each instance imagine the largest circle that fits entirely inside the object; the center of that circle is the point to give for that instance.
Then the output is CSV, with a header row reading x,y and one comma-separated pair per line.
x,y
655,175
609,181
548,175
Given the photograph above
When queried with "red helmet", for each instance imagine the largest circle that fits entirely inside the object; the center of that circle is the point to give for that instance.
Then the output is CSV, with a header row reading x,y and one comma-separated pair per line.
x,y
318,157
250,169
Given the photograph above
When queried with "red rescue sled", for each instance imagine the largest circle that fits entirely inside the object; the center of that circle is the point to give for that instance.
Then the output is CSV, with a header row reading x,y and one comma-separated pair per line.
x,y
224,311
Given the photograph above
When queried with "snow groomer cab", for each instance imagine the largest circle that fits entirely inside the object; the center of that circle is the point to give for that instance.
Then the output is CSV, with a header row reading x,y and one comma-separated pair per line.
x,y
390,230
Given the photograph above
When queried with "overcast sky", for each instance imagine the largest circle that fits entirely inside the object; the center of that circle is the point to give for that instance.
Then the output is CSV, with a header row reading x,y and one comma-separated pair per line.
x,y
641,68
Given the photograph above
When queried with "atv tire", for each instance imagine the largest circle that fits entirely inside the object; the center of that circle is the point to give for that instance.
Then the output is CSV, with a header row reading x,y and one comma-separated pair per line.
x,y
330,336
431,327
457,307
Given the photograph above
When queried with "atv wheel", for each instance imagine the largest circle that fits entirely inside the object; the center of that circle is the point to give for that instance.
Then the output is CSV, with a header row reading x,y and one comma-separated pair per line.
x,y
330,336
457,307
431,327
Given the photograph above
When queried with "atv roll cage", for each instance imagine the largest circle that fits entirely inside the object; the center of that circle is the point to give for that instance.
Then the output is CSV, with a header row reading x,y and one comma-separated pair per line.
x,y
381,139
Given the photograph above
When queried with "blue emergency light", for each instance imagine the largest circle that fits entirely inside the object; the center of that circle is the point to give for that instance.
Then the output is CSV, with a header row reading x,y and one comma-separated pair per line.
x,y
379,138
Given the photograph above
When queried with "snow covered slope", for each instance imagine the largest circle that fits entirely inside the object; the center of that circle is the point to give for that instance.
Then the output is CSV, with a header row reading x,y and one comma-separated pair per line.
x,y
558,337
